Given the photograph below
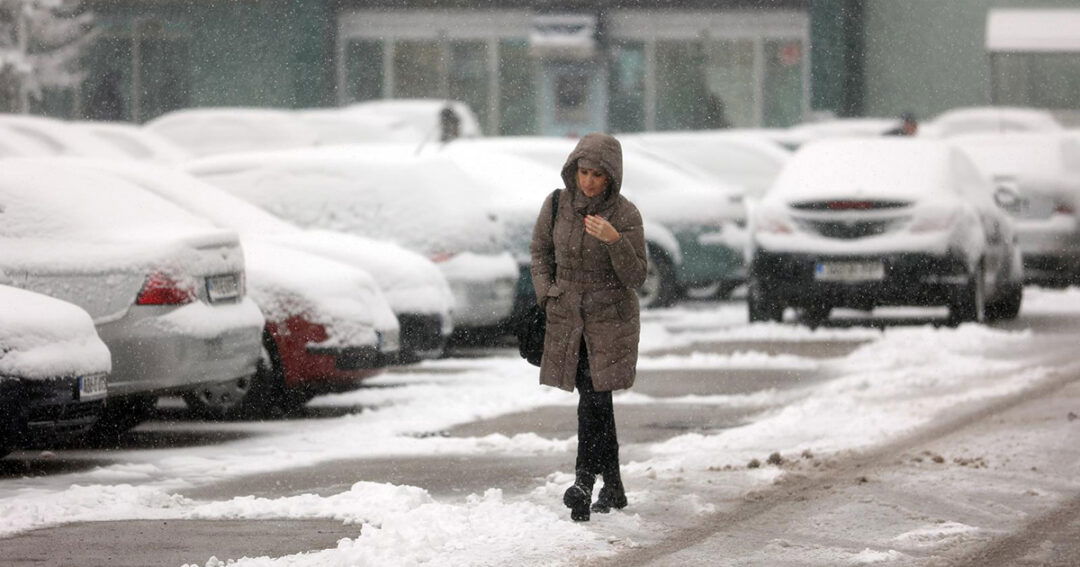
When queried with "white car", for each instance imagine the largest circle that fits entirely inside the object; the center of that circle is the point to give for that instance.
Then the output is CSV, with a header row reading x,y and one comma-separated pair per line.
x,y
134,141
212,131
37,136
865,223
165,289
689,219
1039,175
990,119
421,202
415,288
419,114
53,369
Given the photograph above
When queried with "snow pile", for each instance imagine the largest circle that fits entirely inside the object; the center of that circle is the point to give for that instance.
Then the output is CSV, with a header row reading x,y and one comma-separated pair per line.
x,y
740,359
41,337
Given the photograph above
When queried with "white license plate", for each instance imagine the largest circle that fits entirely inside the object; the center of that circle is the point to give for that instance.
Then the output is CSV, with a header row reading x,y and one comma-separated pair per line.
x,y
849,271
91,387
221,288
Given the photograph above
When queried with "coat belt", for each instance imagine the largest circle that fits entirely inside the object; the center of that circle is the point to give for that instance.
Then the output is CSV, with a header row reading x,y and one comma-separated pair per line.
x,y
606,277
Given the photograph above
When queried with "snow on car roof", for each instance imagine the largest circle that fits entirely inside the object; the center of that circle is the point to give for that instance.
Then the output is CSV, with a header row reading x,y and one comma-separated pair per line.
x,y
51,137
208,131
422,201
880,167
137,142
1029,155
421,113
993,119
42,337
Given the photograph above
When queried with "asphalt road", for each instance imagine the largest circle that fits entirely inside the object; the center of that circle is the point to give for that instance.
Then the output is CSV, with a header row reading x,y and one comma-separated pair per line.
x,y
141,543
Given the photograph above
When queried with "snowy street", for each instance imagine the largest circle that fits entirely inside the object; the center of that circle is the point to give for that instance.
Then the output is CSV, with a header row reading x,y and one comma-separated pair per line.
x,y
764,444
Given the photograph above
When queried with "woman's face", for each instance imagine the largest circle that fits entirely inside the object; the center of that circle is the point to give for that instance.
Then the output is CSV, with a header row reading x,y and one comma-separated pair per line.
x,y
592,182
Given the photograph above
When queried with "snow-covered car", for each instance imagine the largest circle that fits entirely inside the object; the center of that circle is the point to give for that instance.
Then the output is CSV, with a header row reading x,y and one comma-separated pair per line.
x,y
864,223
1038,176
990,119
328,325
420,115
742,160
134,141
336,126
866,127
421,202
53,369
689,219
165,289
39,137
211,131
415,288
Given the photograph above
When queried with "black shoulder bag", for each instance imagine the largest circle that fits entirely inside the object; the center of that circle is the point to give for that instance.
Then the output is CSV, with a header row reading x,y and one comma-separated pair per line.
x,y
532,326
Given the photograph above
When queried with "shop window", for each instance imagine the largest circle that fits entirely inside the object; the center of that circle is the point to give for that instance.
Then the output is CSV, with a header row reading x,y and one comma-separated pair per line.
x,y
418,69
626,104
517,89
364,70
682,101
729,80
783,96
1041,80
468,76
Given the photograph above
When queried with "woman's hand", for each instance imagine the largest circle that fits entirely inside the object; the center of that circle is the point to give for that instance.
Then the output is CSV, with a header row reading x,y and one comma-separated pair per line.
x,y
599,227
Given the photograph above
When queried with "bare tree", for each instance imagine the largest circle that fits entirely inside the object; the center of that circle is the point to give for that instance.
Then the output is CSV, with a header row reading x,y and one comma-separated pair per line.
x,y
40,41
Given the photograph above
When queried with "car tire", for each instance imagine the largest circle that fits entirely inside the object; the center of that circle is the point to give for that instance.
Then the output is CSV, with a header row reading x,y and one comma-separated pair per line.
x,y
1008,307
660,288
120,415
761,305
259,395
815,316
969,306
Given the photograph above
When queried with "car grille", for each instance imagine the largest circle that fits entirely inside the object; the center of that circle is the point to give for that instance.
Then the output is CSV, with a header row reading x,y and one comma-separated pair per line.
x,y
850,229
848,205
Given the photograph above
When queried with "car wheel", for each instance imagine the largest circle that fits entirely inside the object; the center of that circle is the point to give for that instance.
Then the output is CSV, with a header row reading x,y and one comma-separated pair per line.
x,y
762,305
970,304
660,288
1008,307
120,415
257,395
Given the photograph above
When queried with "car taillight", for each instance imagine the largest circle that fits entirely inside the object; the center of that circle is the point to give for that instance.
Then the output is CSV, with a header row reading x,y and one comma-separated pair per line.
x,y
442,256
161,289
1064,209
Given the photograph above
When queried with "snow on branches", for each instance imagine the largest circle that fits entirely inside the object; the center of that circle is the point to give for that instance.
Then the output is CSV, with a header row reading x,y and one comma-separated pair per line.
x,y
40,40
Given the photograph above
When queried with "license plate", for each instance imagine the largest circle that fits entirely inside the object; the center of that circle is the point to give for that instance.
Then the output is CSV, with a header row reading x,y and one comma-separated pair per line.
x,y
222,288
91,387
849,271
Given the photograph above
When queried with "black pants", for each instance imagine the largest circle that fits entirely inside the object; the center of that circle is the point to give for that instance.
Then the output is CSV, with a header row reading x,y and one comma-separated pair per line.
x,y
598,445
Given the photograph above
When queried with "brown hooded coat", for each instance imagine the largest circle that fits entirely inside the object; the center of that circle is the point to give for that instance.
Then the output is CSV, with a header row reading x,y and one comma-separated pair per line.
x,y
591,293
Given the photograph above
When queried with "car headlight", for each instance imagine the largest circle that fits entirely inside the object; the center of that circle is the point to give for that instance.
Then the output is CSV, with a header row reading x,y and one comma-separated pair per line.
x,y
772,221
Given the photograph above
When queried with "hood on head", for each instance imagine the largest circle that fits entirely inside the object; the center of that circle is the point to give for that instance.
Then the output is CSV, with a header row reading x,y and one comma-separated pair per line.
x,y
602,149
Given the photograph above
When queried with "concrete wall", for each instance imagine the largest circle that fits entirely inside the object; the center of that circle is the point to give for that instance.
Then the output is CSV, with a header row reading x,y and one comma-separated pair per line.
x,y
927,56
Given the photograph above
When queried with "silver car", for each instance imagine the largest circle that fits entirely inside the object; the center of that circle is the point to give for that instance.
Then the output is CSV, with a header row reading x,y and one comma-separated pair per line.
x,y
165,289
1038,182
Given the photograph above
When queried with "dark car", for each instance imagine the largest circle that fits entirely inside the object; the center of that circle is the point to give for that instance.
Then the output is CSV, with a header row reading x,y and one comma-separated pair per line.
x,y
53,370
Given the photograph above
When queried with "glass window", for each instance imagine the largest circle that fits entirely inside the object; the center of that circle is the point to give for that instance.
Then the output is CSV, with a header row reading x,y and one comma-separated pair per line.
x,y
783,83
517,89
626,105
681,95
469,77
418,69
1044,80
364,70
729,78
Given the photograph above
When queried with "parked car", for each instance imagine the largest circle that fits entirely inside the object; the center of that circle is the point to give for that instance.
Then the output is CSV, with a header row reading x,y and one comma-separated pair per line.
x,y
420,202
328,325
990,119
864,223
688,218
165,289
741,160
37,136
212,131
53,370
134,141
421,115
1039,179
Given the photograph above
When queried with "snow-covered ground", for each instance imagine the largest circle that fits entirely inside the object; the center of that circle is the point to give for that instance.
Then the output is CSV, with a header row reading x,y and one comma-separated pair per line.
x,y
894,382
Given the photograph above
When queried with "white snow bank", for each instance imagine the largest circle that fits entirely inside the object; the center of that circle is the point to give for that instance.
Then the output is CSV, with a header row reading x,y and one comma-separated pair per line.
x,y
42,337
728,361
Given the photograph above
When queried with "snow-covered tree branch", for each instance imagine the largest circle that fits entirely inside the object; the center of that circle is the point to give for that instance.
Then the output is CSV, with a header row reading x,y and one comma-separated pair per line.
x,y
40,41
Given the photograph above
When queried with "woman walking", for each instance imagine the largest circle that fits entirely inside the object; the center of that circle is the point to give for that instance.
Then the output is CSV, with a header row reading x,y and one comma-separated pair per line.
x,y
586,265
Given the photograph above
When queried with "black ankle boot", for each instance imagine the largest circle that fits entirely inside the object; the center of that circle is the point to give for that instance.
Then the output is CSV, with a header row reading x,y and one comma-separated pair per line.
x,y
612,494
578,496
